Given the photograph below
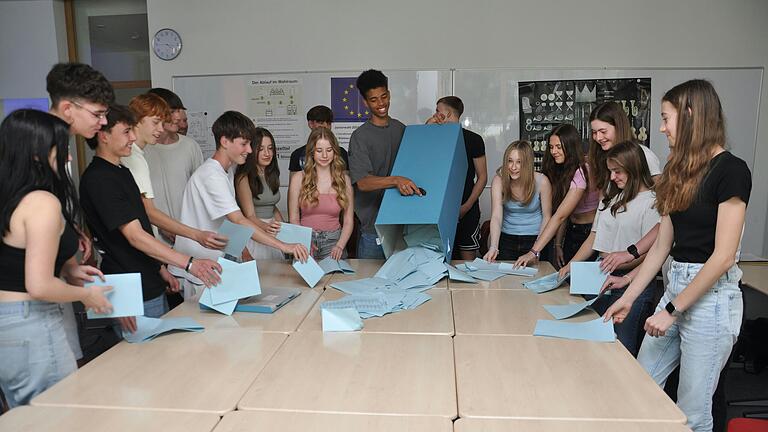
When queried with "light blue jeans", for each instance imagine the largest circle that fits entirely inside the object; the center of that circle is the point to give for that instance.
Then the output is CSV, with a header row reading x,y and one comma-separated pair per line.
x,y
324,242
700,341
34,352
367,247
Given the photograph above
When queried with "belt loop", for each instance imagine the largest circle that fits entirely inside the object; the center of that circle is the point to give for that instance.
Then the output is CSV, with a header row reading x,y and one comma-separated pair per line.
x,y
26,309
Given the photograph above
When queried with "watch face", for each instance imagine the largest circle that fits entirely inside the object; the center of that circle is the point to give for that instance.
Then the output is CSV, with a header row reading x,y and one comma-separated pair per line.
x,y
166,44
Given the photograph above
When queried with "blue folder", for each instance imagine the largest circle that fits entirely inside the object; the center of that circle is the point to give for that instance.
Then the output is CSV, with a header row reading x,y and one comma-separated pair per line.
x,y
126,295
405,220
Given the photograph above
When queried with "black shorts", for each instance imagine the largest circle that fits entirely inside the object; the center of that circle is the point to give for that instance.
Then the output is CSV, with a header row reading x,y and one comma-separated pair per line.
x,y
512,247
468,231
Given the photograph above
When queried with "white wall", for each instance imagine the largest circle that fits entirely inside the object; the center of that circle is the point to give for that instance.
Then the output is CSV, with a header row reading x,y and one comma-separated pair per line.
x,y
245,36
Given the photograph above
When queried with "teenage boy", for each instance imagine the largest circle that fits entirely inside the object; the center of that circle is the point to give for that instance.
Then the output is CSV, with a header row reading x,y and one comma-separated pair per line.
x,y
317,116
171,162
209,197
372,150
449,110
80,95
119,223
150,111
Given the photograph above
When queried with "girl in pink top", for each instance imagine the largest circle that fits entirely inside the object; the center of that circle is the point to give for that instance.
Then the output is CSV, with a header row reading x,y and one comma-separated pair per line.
x,y
321,196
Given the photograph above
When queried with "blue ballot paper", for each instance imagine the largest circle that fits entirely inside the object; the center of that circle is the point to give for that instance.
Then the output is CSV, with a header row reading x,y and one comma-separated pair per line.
x,y
586,277
237,236
595,330
569,310
505,268
126,295
310,271
340,320
546,283
227,308
237,281
330,265
455,274
290,233
150,328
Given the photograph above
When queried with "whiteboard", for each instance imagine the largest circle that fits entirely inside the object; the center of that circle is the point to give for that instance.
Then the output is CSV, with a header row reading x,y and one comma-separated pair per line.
x,y
413,96
491,102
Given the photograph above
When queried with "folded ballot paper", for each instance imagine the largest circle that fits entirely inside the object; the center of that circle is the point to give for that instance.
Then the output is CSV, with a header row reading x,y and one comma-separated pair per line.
x,y
312,271
484,270
126,295
587,277
237,237
238,281
546,283
595,330
569,310
150,328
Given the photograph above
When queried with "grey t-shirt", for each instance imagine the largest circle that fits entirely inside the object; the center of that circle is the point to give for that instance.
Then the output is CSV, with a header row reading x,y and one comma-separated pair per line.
x,y
372,151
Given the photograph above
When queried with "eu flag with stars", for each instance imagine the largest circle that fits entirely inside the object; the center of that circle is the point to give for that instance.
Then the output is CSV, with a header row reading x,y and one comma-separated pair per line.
x,y
346,102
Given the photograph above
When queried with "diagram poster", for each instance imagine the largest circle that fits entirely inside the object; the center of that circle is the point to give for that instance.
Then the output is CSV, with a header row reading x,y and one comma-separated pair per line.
x,y
276,105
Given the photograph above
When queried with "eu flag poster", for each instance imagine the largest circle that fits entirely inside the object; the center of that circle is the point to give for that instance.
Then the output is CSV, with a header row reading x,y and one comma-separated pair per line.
x,y
346,102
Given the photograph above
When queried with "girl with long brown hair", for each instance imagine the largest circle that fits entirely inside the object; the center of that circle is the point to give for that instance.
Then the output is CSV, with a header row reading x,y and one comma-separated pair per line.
x,y
521,204
321,196
574,197
626,214
257,186
702,196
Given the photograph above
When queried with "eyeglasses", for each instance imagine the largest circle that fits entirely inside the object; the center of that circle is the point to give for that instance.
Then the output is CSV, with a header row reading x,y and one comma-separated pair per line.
x,y
99,115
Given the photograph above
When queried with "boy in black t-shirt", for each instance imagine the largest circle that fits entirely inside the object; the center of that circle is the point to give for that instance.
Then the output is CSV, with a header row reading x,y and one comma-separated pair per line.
x,y
449,110
118,221
317,116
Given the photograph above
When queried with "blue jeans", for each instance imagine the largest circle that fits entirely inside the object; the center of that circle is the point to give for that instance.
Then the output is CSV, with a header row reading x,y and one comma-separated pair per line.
x,y
367,247
700,341
630,332
34,352
324,242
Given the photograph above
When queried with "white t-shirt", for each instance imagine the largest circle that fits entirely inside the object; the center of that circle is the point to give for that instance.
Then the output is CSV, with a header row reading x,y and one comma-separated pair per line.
x,y
208,198
170,167
653,161
616,233
137,163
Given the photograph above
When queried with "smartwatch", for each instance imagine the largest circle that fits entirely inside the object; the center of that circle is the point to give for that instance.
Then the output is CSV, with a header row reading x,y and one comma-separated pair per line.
x,y
632,249
670,307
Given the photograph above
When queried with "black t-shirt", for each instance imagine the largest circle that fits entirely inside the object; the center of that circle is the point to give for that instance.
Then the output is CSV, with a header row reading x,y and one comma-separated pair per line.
x,y
110,199
298,157
728,177
475,147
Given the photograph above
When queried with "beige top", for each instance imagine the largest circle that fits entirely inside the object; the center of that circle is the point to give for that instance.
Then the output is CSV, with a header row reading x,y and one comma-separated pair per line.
x,y
358,373
198,372
247,421
60,419
264,206
536,377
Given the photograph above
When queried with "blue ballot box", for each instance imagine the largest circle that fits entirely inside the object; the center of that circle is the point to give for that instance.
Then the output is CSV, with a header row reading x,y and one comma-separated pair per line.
x,y
434,157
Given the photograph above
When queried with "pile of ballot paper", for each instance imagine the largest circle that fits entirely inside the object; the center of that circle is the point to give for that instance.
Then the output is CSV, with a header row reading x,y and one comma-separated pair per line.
x,y
480,269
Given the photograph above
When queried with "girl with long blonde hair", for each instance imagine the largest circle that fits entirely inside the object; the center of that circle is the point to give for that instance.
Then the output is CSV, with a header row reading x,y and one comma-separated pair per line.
x,y
521,204
702,196
321,197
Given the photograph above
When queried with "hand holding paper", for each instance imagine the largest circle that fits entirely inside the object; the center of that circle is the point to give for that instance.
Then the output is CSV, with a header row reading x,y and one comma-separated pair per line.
x,y
125,296
237,235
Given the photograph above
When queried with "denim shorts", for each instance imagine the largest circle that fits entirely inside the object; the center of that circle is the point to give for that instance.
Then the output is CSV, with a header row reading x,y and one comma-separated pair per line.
x,y
34,351
324,241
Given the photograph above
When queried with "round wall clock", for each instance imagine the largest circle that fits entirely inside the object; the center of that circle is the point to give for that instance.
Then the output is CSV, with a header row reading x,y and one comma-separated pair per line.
x,y
166,44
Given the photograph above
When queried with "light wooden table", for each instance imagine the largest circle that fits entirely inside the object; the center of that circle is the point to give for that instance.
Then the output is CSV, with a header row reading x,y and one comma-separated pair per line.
x,y
528,377
434,317
508,312
284,320
499,425
358,373
247,421
59,419
755,275
365,268
280,273
503,283
199,372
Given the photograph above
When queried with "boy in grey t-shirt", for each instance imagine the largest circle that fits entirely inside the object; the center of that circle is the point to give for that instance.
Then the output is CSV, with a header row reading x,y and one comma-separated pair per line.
x,y
372,150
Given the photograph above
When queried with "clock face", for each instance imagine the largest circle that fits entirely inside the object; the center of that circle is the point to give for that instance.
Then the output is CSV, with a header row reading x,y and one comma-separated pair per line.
x,y
166,44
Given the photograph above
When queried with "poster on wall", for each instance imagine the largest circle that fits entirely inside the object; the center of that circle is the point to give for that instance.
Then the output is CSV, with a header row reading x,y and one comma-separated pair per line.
x,y
349,110
198,130
545,104
276,105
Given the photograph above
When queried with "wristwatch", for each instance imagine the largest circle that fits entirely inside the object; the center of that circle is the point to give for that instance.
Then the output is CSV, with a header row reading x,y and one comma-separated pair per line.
x,y
632,249
670,307
535,253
